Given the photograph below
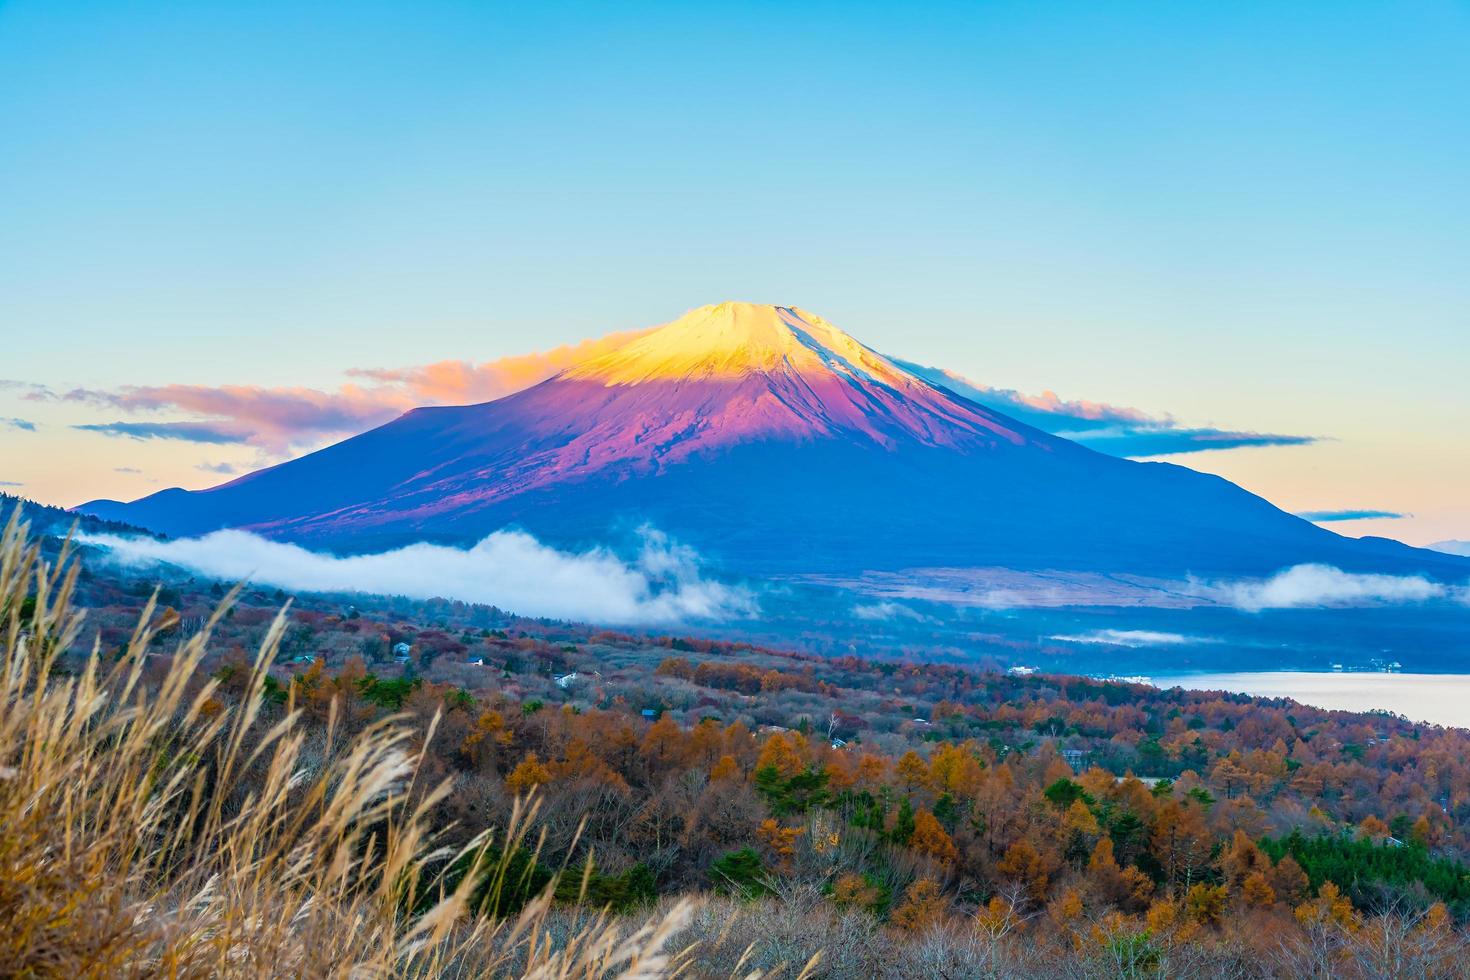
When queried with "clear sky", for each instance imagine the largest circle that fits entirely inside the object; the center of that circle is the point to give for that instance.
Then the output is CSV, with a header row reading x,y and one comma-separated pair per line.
x,y
1250,215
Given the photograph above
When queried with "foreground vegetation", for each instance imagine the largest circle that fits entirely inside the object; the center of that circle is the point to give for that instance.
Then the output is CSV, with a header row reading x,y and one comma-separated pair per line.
x,y
208,785
148,829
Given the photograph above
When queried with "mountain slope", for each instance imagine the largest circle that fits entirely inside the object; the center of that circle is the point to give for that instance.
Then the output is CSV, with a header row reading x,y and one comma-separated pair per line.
x,y
769,439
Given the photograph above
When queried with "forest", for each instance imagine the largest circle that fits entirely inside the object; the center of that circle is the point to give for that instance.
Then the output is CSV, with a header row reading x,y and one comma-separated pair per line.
x,y
775,812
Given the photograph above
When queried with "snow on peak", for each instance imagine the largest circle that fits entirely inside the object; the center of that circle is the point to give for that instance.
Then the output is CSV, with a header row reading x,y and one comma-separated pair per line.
x,y
735,340
739,371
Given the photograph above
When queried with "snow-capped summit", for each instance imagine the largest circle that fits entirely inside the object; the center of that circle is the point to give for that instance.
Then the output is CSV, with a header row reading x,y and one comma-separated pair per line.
x,y
745,370
730,340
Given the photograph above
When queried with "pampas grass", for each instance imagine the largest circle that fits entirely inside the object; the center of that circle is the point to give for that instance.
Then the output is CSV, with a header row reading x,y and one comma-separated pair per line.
x,y
149,829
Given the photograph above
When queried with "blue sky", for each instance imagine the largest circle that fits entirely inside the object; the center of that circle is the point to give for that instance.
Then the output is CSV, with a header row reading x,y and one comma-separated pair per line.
x,y
1249,215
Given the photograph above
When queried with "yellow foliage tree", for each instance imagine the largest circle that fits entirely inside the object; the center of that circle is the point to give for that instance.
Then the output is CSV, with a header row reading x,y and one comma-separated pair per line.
x,y
913,772
781,840
663,743
1205,904
1068,908
930,838
1163,916
1373,828
853,891
1330,908
778,751
998,917
1079,819
726,768
1288,880
529,773
1257,891
923,905
954,769
1022,862
488,724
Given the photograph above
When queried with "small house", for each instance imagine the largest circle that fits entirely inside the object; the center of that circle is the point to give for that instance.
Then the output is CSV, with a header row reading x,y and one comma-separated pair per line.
x,y
400,653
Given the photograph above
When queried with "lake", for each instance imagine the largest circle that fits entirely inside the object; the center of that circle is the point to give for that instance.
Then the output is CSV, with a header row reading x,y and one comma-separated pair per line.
x,y
1443,699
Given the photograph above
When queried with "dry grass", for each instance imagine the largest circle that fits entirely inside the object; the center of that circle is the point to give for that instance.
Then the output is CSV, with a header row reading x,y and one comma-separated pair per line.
x,y
148,830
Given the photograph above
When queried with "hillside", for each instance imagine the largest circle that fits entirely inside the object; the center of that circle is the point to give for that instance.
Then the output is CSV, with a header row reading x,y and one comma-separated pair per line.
x,y
874,814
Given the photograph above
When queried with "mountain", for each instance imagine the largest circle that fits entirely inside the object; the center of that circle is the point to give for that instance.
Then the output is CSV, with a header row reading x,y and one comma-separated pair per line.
x,y
770,440
47,521
1452,547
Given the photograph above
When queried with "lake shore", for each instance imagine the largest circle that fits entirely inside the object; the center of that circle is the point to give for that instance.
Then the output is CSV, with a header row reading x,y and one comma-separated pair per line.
x,y
1440,699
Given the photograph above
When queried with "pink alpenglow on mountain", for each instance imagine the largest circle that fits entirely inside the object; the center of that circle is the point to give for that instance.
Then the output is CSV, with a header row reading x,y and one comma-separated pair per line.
x,y
736,373
745,370
771,440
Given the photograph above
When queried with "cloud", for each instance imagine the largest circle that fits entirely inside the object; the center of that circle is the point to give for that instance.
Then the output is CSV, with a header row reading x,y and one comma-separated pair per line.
x,y
130,470
30,391
1131,638
205,432
1452,547
23,424
1328,516
10,483
222,468
465,383
281,420
1112,429
1309,586
880,611
510,569
274,419
1164,438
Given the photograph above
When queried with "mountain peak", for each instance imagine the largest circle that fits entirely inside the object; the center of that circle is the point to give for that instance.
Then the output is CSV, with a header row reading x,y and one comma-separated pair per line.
x,y
764,432
735,340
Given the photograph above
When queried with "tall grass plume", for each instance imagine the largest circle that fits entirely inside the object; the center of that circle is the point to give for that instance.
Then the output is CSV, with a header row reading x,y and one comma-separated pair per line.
x,y
149,828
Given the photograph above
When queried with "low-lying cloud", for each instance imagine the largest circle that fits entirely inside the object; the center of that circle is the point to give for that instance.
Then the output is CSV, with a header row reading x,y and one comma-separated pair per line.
x,y
509,569
1312,586
1131,638
886,611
